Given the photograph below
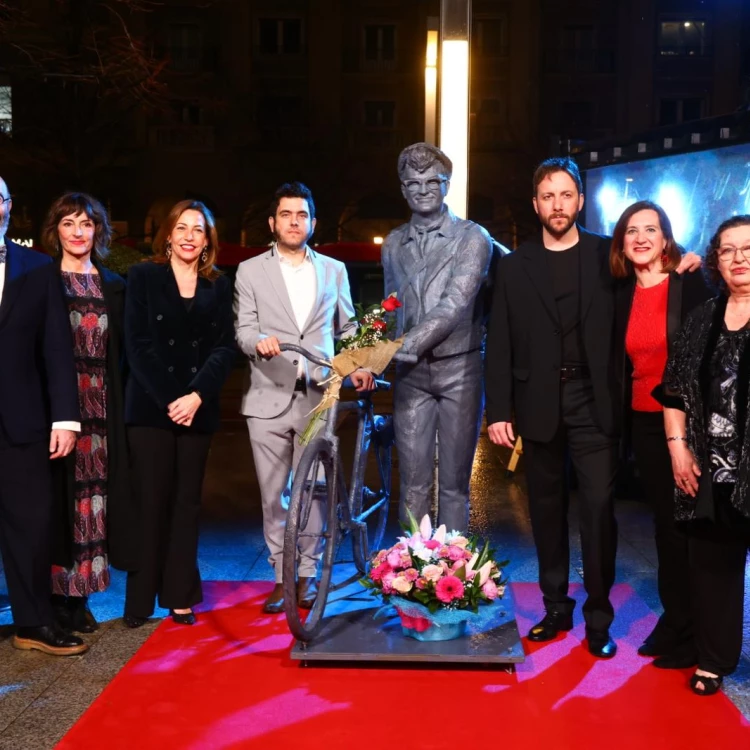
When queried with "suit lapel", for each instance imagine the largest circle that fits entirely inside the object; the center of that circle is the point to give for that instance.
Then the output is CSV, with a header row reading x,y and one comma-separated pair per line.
x,y
674,308
172,291
14,279
538,271
271,267
320,280
439,255
591,268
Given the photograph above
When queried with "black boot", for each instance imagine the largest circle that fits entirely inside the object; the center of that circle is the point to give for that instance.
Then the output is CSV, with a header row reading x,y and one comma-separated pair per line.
x,y
82,621
62,614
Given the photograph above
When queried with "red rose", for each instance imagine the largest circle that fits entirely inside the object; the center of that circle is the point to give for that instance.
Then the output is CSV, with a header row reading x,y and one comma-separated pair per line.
x,y
379,325
390,303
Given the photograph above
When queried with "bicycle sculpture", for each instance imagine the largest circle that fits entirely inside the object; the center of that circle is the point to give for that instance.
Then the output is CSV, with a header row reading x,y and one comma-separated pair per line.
x,y
358,510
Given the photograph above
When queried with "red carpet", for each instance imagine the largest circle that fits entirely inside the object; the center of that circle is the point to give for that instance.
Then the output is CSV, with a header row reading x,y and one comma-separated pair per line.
x,y
229,683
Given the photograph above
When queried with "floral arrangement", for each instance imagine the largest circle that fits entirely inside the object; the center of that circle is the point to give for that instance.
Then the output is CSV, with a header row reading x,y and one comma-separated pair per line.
x,y
367,347
437,569
372,325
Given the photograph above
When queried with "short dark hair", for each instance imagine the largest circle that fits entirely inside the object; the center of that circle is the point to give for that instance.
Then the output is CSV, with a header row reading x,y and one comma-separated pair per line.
x,y
421,156
712,251
620,266
76,204
291,190
557,164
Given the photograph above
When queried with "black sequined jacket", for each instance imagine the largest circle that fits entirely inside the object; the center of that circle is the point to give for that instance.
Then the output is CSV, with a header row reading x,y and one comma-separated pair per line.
x,y
686,386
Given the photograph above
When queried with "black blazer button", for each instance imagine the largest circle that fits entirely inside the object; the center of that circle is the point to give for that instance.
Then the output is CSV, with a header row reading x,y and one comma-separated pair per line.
x,y
195,343
301,336
171,342
193,369
294,362
159,317
170,369
556,332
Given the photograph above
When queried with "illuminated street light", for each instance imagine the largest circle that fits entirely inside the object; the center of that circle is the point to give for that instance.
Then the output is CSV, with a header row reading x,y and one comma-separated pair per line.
x,y
430,83
455,25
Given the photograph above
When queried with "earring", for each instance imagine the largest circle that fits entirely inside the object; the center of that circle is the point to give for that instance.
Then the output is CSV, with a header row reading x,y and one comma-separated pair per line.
x,y
168,251
204,257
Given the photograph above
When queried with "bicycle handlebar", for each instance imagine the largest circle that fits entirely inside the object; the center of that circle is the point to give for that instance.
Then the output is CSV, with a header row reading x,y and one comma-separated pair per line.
x,y
397,357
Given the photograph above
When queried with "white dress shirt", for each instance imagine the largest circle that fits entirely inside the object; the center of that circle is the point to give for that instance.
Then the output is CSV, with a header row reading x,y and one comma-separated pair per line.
x,y
302,286
73,426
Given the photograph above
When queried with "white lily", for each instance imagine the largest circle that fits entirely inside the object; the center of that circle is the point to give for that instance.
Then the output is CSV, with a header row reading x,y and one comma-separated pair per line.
x,y
470,565
425,527
440,534
484,572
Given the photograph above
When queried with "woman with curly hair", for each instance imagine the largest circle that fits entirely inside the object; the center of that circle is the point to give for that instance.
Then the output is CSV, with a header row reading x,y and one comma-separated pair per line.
x,y
707,423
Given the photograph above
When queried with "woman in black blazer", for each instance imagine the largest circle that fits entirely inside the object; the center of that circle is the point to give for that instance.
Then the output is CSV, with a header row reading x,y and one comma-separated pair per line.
x,y
94,511
179,338
652,302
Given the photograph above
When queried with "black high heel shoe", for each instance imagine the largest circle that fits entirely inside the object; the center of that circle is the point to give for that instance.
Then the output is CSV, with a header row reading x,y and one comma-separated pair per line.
x,y
186,618
134,621
711,685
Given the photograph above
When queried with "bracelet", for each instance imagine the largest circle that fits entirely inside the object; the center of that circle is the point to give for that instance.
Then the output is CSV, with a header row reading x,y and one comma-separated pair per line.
x,y
676,437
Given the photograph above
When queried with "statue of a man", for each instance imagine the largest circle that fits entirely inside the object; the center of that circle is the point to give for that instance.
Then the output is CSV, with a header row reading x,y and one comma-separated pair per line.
x,y
438,265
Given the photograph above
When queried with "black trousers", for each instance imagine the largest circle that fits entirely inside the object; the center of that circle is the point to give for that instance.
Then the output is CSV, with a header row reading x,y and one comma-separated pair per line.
x,y
167,477
594,457
675,626
26,501
718,551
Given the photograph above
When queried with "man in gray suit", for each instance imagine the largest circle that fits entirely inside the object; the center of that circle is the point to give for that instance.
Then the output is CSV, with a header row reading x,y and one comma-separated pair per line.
x,y
291,294
438,264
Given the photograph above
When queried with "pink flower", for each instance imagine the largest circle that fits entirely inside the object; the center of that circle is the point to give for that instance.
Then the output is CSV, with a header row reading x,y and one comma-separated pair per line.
x,y
388,580
432,544
448,589
421,583
379,558
455,553
432,572
405,561
459,541
411,574
443,551
402,585
490,590
394,558
379,571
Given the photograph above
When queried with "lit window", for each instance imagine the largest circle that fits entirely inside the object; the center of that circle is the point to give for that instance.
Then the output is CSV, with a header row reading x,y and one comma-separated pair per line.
x,y
683,37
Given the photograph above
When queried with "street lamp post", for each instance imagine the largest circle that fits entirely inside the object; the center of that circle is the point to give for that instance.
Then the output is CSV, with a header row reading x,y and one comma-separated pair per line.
x,y
455,29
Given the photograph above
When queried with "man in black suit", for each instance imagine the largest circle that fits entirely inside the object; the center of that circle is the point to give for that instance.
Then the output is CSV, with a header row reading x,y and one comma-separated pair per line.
x,y
549,362
37,389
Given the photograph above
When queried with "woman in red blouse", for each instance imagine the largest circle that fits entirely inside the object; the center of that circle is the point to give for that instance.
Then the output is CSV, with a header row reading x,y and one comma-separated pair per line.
x,y
652,301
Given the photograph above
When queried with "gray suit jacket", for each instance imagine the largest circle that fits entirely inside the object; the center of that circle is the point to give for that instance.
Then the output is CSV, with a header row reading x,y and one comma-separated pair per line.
x,y
443,293
262,308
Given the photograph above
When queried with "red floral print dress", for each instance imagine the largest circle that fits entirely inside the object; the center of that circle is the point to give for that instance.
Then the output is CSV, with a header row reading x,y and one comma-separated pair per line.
x,y
89,323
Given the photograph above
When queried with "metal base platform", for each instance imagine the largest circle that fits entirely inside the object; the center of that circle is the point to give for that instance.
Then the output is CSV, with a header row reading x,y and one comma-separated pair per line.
x,y
350,633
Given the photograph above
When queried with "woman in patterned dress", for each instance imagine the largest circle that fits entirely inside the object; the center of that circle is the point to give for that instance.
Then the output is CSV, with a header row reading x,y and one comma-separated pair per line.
x,y
706,395
92,481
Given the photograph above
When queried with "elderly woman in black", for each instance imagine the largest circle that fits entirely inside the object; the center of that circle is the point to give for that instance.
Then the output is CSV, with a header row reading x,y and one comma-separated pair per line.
x,y
95,510
179,337
707,424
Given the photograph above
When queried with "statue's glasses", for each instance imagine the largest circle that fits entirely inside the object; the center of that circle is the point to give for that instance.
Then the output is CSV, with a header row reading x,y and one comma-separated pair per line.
x,y
5,199
432,185
726,254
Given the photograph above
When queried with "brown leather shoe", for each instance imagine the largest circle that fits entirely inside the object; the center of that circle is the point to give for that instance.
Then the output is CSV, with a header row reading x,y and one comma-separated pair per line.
x,y
275,602
307,590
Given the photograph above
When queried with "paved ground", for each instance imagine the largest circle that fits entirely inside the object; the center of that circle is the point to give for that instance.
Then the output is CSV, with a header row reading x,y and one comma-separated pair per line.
x,y
42,696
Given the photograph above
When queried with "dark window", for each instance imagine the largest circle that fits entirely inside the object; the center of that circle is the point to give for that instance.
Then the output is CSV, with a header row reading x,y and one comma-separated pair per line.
x,y
682,37
380,114
380,43
576,115
187,113
280,111
673,111
490,37
186,46
280,36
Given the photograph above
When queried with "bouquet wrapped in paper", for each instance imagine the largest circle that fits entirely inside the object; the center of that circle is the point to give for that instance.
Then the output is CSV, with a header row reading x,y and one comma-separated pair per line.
x,y
368,348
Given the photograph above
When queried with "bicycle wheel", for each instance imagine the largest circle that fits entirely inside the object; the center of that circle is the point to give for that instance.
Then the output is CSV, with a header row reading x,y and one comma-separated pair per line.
x,y
370,505
312,520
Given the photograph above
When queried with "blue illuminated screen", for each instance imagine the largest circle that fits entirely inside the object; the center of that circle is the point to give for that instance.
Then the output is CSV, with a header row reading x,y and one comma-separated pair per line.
x,y
697,190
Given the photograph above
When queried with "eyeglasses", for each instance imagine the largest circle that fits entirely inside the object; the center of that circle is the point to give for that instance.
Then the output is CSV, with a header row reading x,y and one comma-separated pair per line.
x,y
726,254
433,184
5,199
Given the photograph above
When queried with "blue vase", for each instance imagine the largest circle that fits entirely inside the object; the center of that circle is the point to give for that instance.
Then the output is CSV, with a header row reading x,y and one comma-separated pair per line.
x,y
445,632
